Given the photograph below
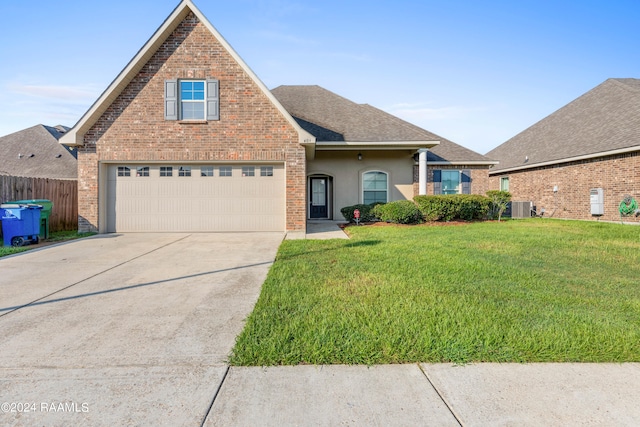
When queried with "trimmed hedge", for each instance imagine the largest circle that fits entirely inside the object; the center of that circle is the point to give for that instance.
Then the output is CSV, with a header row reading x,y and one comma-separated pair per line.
x,y
400,212
365,212
450,207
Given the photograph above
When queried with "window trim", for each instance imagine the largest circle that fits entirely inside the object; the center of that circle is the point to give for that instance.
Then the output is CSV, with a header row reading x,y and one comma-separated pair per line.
x,y
502,181
123,171
143,171
182,103
458,188
362,189
248,171
208,168
167,169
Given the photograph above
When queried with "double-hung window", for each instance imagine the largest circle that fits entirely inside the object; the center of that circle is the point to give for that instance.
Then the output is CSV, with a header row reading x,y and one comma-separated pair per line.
x,y
450,182
374,187
504,183
191,99
192,105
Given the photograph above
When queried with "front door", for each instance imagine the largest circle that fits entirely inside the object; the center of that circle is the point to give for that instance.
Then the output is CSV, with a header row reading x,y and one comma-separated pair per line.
x,y
318,196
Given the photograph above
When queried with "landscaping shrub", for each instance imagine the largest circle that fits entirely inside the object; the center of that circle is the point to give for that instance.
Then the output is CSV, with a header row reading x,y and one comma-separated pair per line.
x,y
499,200
365,212
473,206
400,212
450,207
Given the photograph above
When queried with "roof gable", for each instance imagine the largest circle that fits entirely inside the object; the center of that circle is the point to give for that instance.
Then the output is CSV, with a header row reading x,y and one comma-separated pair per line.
x,y
36,153
76,135
605,119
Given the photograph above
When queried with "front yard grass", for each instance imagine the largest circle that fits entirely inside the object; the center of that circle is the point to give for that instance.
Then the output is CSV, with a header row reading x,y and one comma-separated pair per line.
x,y
535,290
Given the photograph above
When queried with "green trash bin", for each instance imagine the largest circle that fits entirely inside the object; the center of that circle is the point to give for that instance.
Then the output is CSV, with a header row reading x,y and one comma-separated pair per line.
x,y
47,205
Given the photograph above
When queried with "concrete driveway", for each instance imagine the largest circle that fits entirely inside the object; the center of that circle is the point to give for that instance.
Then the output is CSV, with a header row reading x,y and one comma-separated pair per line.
x,y
127,329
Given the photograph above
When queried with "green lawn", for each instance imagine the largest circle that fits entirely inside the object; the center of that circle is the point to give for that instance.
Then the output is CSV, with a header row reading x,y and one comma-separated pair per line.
x,y
535,290
58,236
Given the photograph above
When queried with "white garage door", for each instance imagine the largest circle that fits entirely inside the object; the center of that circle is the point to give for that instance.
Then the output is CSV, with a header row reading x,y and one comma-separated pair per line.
x,y
183,197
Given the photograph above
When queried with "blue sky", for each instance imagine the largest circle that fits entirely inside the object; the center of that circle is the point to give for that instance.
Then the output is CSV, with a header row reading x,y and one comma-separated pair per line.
x,y
474,72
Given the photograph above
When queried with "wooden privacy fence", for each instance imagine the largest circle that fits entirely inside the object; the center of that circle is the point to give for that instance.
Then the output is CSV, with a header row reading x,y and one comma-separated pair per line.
x,y
63,194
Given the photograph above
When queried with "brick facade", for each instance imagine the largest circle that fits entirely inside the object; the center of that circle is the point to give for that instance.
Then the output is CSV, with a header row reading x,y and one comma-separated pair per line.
x,y
479,177
618,175
133,128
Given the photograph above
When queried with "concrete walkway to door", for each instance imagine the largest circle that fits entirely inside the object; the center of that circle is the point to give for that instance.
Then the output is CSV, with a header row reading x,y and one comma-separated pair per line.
x,y
127,329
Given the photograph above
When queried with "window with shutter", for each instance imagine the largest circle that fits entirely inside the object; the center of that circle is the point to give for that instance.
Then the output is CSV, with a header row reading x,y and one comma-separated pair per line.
x,y
452,182
194,100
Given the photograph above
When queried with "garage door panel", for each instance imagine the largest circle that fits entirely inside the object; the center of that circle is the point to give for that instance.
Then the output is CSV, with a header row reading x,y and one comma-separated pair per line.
x,y
196,203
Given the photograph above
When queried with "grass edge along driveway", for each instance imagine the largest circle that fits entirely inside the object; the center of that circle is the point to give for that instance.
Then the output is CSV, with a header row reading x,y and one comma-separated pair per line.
x,y
515,291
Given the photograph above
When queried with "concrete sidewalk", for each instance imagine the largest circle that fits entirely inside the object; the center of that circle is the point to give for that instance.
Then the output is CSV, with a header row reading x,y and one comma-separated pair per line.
x,y
320,230
430,395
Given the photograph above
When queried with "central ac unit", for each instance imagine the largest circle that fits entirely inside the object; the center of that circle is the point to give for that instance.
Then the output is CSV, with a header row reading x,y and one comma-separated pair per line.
x,y
521,209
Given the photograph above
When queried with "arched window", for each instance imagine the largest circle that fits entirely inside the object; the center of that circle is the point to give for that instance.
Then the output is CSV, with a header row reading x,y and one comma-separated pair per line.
x,y
374,187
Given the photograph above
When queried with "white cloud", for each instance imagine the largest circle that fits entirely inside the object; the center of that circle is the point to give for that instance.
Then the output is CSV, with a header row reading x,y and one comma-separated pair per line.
x,y
25,105
61,94
422,113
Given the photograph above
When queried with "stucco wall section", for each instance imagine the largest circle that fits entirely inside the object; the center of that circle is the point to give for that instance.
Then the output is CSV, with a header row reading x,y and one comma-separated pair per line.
x,y
133,128
346,171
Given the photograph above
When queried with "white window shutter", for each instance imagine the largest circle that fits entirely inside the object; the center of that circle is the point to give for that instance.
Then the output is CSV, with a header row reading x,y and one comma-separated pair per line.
x,y
171,99
213,99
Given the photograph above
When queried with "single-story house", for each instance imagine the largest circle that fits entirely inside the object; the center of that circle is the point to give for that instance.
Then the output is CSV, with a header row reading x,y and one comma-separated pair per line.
x,y
36,153
187,138
582,160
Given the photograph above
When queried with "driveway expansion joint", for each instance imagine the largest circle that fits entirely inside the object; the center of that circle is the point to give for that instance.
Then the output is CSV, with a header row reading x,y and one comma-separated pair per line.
x,y
449,408
215,395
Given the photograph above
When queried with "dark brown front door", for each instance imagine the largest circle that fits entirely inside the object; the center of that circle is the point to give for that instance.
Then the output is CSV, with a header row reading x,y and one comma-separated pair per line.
x,y
318,198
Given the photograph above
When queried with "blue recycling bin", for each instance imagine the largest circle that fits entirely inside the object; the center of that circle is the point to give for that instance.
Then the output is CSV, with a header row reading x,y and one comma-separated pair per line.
x,y
20,224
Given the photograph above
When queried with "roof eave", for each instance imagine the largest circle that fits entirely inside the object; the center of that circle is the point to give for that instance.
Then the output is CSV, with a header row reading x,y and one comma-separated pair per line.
x,y
567,160
463,162
75,136
373,145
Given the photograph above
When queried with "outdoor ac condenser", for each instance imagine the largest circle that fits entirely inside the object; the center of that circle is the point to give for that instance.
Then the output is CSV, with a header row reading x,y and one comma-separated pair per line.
x,y
521,209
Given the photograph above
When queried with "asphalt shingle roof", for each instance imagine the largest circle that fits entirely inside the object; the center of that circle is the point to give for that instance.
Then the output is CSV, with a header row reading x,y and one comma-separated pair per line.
x,y
330,117
604,119
35,152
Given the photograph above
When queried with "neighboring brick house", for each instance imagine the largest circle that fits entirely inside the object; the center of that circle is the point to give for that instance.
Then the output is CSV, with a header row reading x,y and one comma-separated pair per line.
x,y
187,138
591,145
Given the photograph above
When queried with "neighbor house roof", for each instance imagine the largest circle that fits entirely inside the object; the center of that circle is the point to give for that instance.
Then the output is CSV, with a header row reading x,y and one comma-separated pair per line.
x,y
603,121
76,135
337,122
35,152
